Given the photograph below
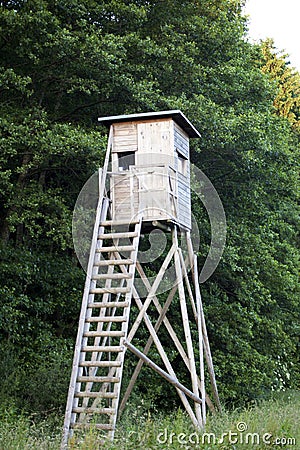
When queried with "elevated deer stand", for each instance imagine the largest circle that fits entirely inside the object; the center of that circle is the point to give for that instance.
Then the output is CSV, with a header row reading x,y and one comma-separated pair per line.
x,y
147,189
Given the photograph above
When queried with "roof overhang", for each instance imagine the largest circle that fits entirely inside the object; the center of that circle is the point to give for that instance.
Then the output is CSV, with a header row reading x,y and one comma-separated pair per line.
x,y
175,114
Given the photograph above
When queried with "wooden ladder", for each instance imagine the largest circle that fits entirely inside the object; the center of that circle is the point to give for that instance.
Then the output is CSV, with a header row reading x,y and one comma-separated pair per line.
x,y
95,384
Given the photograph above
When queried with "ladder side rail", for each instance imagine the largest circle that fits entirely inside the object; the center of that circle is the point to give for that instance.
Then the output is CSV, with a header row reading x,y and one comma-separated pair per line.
x,y
103,345
93,283
91,298
91,270
101,211
97,356
102,181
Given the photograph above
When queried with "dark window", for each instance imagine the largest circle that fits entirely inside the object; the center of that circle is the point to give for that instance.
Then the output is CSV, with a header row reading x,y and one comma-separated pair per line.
x,y
126,159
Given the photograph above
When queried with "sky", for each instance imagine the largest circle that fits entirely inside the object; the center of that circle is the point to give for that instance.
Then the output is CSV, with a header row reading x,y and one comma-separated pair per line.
x,y
278,19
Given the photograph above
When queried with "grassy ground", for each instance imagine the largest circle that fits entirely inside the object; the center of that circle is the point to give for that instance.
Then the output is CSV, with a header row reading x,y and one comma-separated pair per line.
x,y
270,424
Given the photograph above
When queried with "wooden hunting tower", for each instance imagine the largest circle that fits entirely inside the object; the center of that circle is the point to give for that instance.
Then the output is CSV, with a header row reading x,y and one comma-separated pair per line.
x,y
151,166
144,186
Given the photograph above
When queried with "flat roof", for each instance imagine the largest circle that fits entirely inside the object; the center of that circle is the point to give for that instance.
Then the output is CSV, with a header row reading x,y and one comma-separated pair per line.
x,y
174,114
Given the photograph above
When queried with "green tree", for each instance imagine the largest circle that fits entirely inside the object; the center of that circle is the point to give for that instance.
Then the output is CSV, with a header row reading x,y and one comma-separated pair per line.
x,y
287,79
66,62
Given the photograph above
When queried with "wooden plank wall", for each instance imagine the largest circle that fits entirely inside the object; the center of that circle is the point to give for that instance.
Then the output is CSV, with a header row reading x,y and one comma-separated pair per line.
x,y
184,201
156,143
181,143
124,195
153,193
125,137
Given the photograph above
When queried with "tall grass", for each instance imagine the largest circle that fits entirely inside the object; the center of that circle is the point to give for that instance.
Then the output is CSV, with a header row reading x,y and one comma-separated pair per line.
x,y
20,432
269,424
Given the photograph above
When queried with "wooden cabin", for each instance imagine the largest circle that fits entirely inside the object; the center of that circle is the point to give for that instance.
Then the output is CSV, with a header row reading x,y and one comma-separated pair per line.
x,y
151,167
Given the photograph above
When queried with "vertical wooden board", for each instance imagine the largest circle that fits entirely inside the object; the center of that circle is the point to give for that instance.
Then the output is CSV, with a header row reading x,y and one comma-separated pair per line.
x,y
114,162
156,137
175,160
124,194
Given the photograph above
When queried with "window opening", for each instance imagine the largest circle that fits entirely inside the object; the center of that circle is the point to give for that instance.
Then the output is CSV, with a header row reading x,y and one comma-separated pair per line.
x,y
182,164
126,159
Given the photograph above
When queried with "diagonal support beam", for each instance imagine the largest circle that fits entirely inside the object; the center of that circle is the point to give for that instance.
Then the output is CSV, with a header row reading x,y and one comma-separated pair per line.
x,y
147,347
152,293
165,359
162,319
162,372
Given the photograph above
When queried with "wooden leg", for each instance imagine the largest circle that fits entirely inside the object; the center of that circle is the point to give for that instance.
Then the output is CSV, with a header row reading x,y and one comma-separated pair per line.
x,y
206,345
187,331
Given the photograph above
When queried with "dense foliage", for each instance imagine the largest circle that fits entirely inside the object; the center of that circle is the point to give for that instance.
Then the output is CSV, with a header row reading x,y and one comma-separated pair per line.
x,y
65,62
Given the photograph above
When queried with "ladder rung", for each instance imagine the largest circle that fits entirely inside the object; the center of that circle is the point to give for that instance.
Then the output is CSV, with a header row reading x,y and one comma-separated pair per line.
x,y
105,305
81,409
95,395
87,379
98,426
104,333
114,262
106,223
112,276
120,235
100,363
116,248
95,348
110,290
108,319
